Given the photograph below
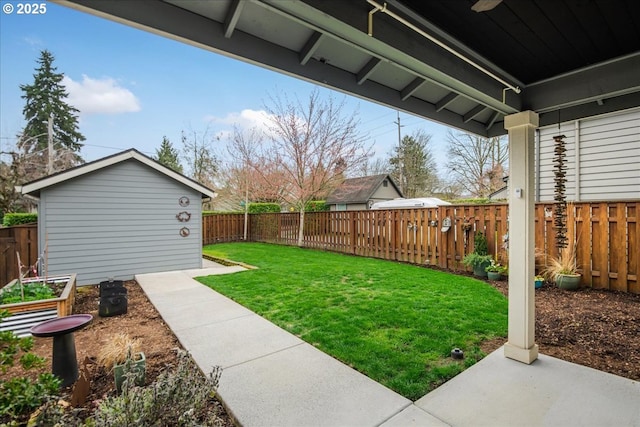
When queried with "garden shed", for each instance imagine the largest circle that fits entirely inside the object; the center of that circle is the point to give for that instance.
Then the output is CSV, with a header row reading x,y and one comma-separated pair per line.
x,y
118,216
362,192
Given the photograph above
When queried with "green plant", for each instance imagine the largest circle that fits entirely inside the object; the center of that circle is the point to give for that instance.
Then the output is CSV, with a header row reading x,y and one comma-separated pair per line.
x,y
264,208
480,245
397,323
316,206
496,267
21,395
565,263
30,292
178,397
11,219
474,259
480,201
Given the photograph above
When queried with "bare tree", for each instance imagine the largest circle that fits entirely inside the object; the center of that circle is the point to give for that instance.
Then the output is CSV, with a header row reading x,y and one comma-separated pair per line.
x,y
311,147
374,166
27,164
477,164
198,154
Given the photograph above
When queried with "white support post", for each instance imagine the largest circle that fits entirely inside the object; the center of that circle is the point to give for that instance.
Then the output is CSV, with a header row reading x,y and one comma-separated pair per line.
x,y
521,345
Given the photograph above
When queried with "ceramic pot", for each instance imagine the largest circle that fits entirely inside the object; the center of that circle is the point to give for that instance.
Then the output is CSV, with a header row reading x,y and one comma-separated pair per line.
x,y
494,275
568,281
137,367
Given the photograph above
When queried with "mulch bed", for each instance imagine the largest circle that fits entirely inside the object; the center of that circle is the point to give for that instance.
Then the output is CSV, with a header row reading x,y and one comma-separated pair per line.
x,y
595,328
141,321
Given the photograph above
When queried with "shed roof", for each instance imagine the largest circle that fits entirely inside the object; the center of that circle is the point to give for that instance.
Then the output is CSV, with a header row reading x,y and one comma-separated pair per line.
x,y
33,188
359,190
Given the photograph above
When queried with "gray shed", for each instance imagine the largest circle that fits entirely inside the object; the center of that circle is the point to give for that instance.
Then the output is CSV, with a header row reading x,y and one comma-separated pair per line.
x,y
118,216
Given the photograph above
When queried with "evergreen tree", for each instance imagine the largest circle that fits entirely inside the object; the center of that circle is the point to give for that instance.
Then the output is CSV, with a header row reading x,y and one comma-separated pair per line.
x,y
413,166
46,98
168,155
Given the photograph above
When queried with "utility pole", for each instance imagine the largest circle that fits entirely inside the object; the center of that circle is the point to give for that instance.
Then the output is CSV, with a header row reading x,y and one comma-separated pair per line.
x,y
400,156
50,144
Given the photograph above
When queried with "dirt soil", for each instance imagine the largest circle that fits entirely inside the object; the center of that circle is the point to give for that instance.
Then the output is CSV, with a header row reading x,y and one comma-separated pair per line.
x,y
141,321
595,328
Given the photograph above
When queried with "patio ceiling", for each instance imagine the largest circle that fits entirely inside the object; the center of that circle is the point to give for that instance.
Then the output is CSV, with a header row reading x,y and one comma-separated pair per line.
x,y
566,58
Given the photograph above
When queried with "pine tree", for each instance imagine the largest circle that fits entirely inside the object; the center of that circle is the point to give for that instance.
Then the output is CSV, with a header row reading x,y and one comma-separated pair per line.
x,y
413,166
46,98
168,155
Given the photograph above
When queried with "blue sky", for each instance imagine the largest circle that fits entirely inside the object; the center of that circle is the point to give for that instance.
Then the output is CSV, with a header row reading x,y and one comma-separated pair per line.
x,y
134,87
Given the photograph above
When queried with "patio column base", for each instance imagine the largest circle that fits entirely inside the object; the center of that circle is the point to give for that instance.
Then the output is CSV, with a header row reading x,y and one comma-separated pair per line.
x,y
524,355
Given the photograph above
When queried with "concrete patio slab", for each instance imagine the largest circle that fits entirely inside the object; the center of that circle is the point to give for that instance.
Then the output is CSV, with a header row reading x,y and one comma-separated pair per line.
x,y
203,313
192,295
235,341
159,283
414,417
550,392
302,386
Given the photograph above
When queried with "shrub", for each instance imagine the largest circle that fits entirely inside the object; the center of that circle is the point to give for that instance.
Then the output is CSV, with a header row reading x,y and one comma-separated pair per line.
x,y
177,398
19,396
264,208
316,206
480,244
480,201
474,259
11,219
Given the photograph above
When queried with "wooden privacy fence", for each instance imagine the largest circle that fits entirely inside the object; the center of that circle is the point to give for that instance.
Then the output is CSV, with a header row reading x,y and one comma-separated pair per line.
x,y
22,239
606,234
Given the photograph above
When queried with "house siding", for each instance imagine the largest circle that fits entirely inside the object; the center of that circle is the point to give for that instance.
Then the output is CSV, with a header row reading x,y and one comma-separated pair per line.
x,y
117,222
603,158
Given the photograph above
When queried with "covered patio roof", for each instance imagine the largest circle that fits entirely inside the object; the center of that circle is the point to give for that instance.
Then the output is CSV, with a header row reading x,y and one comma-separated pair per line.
x,y
441,60
480,66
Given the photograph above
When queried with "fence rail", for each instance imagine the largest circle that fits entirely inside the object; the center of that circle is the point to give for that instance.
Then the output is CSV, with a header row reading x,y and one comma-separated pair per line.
x,y
20,239
606,235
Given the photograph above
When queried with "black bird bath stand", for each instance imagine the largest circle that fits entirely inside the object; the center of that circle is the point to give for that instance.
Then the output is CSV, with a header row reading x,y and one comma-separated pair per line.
x,y
64,364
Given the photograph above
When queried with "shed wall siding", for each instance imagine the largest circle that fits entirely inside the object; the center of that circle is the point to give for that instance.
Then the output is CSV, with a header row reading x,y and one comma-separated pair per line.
x,y
385,193
118,222
608,151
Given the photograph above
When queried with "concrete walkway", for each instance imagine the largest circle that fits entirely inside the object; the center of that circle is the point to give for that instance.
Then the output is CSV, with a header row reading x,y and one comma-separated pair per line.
x,y
272,378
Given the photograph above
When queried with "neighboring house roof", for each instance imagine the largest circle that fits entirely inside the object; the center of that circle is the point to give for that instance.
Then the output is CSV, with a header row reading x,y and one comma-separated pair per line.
x,y
33,188
359,190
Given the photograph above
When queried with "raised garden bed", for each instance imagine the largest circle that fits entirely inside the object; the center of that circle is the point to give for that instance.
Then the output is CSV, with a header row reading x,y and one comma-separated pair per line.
x,y
63,304
23,315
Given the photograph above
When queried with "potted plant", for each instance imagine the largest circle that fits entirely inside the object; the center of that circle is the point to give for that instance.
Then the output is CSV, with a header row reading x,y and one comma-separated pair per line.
x,y
123,355
479,259
563,269
495,270
538,281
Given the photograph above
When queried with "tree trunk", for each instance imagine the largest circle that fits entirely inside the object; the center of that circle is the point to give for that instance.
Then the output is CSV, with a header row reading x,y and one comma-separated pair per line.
x,y
301,227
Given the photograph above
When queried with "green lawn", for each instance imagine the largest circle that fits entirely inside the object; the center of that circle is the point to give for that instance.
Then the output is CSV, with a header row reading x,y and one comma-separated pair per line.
x,y
396,323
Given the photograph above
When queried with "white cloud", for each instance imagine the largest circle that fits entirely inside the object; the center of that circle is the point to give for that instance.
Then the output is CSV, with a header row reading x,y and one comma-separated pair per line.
x,y
100,96
33,41
245,119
